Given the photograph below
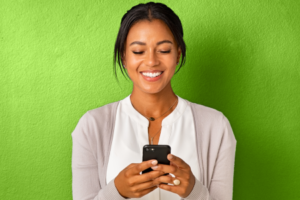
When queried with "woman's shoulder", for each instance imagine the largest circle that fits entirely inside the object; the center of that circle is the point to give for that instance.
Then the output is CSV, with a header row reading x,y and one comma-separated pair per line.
x,y
205,112
103,111
101,117
212,122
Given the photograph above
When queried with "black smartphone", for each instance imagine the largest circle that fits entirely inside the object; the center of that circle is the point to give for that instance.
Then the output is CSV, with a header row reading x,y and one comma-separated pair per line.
x,y
158,152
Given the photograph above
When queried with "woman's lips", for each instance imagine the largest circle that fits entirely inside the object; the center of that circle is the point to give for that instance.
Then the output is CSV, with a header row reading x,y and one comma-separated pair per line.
x,y
151,79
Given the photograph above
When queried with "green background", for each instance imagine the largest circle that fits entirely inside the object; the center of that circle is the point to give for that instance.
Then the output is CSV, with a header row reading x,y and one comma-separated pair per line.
x,y
56,63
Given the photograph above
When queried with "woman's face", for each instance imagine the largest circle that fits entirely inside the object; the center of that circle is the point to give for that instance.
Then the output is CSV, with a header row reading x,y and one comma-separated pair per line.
x,y
151,55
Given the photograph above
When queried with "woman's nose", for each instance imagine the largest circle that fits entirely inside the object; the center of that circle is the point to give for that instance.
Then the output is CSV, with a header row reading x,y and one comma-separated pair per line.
x,y
151,59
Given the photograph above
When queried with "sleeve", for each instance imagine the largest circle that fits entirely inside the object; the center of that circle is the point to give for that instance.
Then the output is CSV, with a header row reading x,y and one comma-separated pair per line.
x,y
221,186
85,177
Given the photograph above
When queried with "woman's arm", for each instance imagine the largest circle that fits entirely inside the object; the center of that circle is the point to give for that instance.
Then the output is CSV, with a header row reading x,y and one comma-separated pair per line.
x,y
221,183
85,176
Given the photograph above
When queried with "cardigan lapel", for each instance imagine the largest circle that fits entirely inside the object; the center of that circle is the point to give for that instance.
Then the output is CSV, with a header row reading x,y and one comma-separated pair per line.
x,y
110,119
198,132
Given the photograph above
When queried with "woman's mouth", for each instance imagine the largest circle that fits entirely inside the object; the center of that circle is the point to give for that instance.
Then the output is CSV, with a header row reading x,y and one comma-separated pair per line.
x,y
152,76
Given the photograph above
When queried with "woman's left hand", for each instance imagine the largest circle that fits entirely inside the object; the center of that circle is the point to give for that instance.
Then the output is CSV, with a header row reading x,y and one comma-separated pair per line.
x,y
181,170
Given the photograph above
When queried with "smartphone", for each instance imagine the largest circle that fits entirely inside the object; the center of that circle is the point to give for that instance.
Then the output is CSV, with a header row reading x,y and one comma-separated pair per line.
x,y
158,152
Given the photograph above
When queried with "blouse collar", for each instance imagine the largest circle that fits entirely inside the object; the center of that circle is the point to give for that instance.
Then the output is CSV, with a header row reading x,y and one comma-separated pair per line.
x,y
128,109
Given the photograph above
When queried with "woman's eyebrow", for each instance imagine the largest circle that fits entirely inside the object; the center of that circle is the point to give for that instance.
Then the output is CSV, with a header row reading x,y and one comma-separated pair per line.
x,y
158,43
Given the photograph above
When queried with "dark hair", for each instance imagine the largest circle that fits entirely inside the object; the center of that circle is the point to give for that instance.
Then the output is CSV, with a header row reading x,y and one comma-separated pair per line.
x,y
148,11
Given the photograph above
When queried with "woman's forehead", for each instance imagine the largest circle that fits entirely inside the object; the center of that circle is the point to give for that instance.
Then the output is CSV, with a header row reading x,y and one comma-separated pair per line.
x,y
148,32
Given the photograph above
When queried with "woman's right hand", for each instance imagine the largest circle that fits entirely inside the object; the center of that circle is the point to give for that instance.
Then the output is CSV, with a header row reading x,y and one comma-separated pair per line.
x,y
131,184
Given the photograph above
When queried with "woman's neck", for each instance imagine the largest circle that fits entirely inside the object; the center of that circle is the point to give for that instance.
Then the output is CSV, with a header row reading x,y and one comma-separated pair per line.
x,y
154,105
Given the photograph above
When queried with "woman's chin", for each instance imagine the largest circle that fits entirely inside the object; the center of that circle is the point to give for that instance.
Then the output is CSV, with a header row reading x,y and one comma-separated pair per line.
x,y
152,89
160,90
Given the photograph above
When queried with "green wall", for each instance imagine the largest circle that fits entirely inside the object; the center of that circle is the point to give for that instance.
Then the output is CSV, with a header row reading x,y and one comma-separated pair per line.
x,y
56,63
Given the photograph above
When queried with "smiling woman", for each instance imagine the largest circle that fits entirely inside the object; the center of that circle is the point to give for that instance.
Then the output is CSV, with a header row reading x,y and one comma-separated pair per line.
x,y
108,141
150,57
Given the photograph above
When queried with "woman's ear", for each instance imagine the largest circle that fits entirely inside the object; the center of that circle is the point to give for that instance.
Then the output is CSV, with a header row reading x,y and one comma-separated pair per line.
x,y
178,54
123,60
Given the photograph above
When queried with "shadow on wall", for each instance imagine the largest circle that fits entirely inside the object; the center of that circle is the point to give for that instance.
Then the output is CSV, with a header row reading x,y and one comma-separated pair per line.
x,y
220,70
226,74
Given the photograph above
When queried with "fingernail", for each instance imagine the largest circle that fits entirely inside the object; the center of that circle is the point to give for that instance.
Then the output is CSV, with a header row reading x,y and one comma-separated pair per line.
x,y
170,156
154,167
154,162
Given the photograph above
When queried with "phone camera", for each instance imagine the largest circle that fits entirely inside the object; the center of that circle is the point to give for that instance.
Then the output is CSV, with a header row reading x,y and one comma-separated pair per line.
x,y
147,149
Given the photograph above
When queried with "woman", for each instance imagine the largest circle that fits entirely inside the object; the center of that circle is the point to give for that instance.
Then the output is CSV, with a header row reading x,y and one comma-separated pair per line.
x,y
108,141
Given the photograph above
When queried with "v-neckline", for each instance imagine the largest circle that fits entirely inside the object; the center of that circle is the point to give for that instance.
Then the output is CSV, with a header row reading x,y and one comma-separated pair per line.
x,y
139,118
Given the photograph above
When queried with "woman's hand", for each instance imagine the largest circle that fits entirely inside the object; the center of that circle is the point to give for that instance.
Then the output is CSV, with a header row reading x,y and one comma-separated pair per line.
x,y
182,172
131,184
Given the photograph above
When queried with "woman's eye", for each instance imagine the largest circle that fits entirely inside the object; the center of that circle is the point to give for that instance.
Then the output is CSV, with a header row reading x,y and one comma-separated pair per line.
x,y
165,51
138,52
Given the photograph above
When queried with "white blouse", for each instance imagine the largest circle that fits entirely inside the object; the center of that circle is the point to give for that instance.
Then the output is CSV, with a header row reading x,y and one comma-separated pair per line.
x,y
131,134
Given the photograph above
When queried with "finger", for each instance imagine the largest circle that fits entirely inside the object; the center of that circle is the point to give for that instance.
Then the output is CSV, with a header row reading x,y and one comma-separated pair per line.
x,y
164,179
150,175
136,169
168,179
131,165
143,186
170,169
173,188
173,164
137,179
178,161
144,192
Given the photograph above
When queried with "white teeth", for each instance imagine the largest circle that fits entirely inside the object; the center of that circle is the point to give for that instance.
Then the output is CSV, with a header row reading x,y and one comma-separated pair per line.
x,y
151,75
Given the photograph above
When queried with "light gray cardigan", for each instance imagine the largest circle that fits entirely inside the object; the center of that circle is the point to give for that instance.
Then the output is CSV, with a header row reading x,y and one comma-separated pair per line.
x,y
92,138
